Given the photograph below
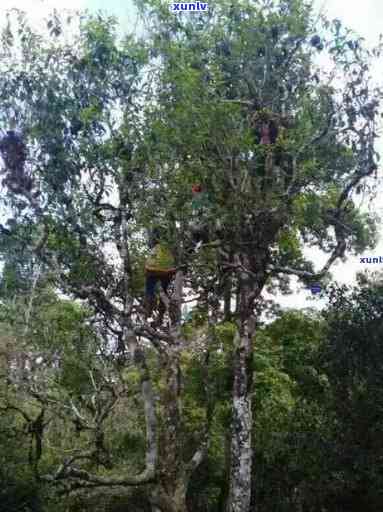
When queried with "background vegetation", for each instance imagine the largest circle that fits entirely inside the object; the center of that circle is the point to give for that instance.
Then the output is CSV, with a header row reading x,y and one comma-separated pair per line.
x,y
102,409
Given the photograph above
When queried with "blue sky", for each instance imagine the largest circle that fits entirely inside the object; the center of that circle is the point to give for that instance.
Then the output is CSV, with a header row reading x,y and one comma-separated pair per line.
x,y
124,10
116,6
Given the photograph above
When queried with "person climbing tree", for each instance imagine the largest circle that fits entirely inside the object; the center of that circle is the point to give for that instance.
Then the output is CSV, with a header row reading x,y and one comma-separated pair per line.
x,y
159,268
14,153
13,150
272,163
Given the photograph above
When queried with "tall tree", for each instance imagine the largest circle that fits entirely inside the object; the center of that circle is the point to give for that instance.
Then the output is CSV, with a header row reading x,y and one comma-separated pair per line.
x,y
117,132
280,143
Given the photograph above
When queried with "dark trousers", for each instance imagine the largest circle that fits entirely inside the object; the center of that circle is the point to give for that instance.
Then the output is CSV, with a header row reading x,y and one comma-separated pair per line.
x,y
151,283
152,278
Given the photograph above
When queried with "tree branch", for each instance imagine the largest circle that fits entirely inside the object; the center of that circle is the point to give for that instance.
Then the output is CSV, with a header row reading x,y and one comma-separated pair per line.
x,y
86,292
337,252
147,476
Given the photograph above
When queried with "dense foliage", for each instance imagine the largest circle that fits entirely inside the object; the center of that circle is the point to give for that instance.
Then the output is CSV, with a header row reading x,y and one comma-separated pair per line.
x,y
317,405
205,407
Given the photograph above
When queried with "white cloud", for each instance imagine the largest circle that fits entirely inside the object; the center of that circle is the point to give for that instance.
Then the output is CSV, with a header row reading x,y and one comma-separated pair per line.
x,y
37,7
364,17
38,10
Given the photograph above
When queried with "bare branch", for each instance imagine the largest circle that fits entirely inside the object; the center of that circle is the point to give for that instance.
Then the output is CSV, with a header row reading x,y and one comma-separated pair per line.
x,y
152,334
31,300
145,477
100,298
66,470
240,102
293,271
355,180
198,457
78,416
337,252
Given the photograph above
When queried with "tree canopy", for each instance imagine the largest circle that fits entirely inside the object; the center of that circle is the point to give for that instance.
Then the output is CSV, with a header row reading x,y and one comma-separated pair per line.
x,y
272,113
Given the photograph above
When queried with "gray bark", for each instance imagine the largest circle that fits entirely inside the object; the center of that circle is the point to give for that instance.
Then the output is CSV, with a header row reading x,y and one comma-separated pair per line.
x,y
170,493
241,445
173,472
241,449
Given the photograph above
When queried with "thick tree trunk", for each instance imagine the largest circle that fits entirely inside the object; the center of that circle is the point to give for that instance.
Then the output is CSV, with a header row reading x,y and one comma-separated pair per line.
x,y
173,472
170,446
170,493
241,449
241,446
169,500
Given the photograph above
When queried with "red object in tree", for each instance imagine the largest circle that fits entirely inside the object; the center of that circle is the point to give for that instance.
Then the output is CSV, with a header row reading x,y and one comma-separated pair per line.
x,y
196,187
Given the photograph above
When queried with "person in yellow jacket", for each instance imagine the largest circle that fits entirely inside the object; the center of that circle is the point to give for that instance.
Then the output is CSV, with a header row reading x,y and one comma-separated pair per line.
x,y
159,268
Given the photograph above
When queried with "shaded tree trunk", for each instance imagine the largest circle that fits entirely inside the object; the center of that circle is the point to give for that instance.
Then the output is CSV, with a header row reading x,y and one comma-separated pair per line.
x,y
173,471
170,493
241,449
241,440
169,500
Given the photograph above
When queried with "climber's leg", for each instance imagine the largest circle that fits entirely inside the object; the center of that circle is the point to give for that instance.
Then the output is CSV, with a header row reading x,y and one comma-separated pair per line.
x,y
173,308
164,282
150,293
